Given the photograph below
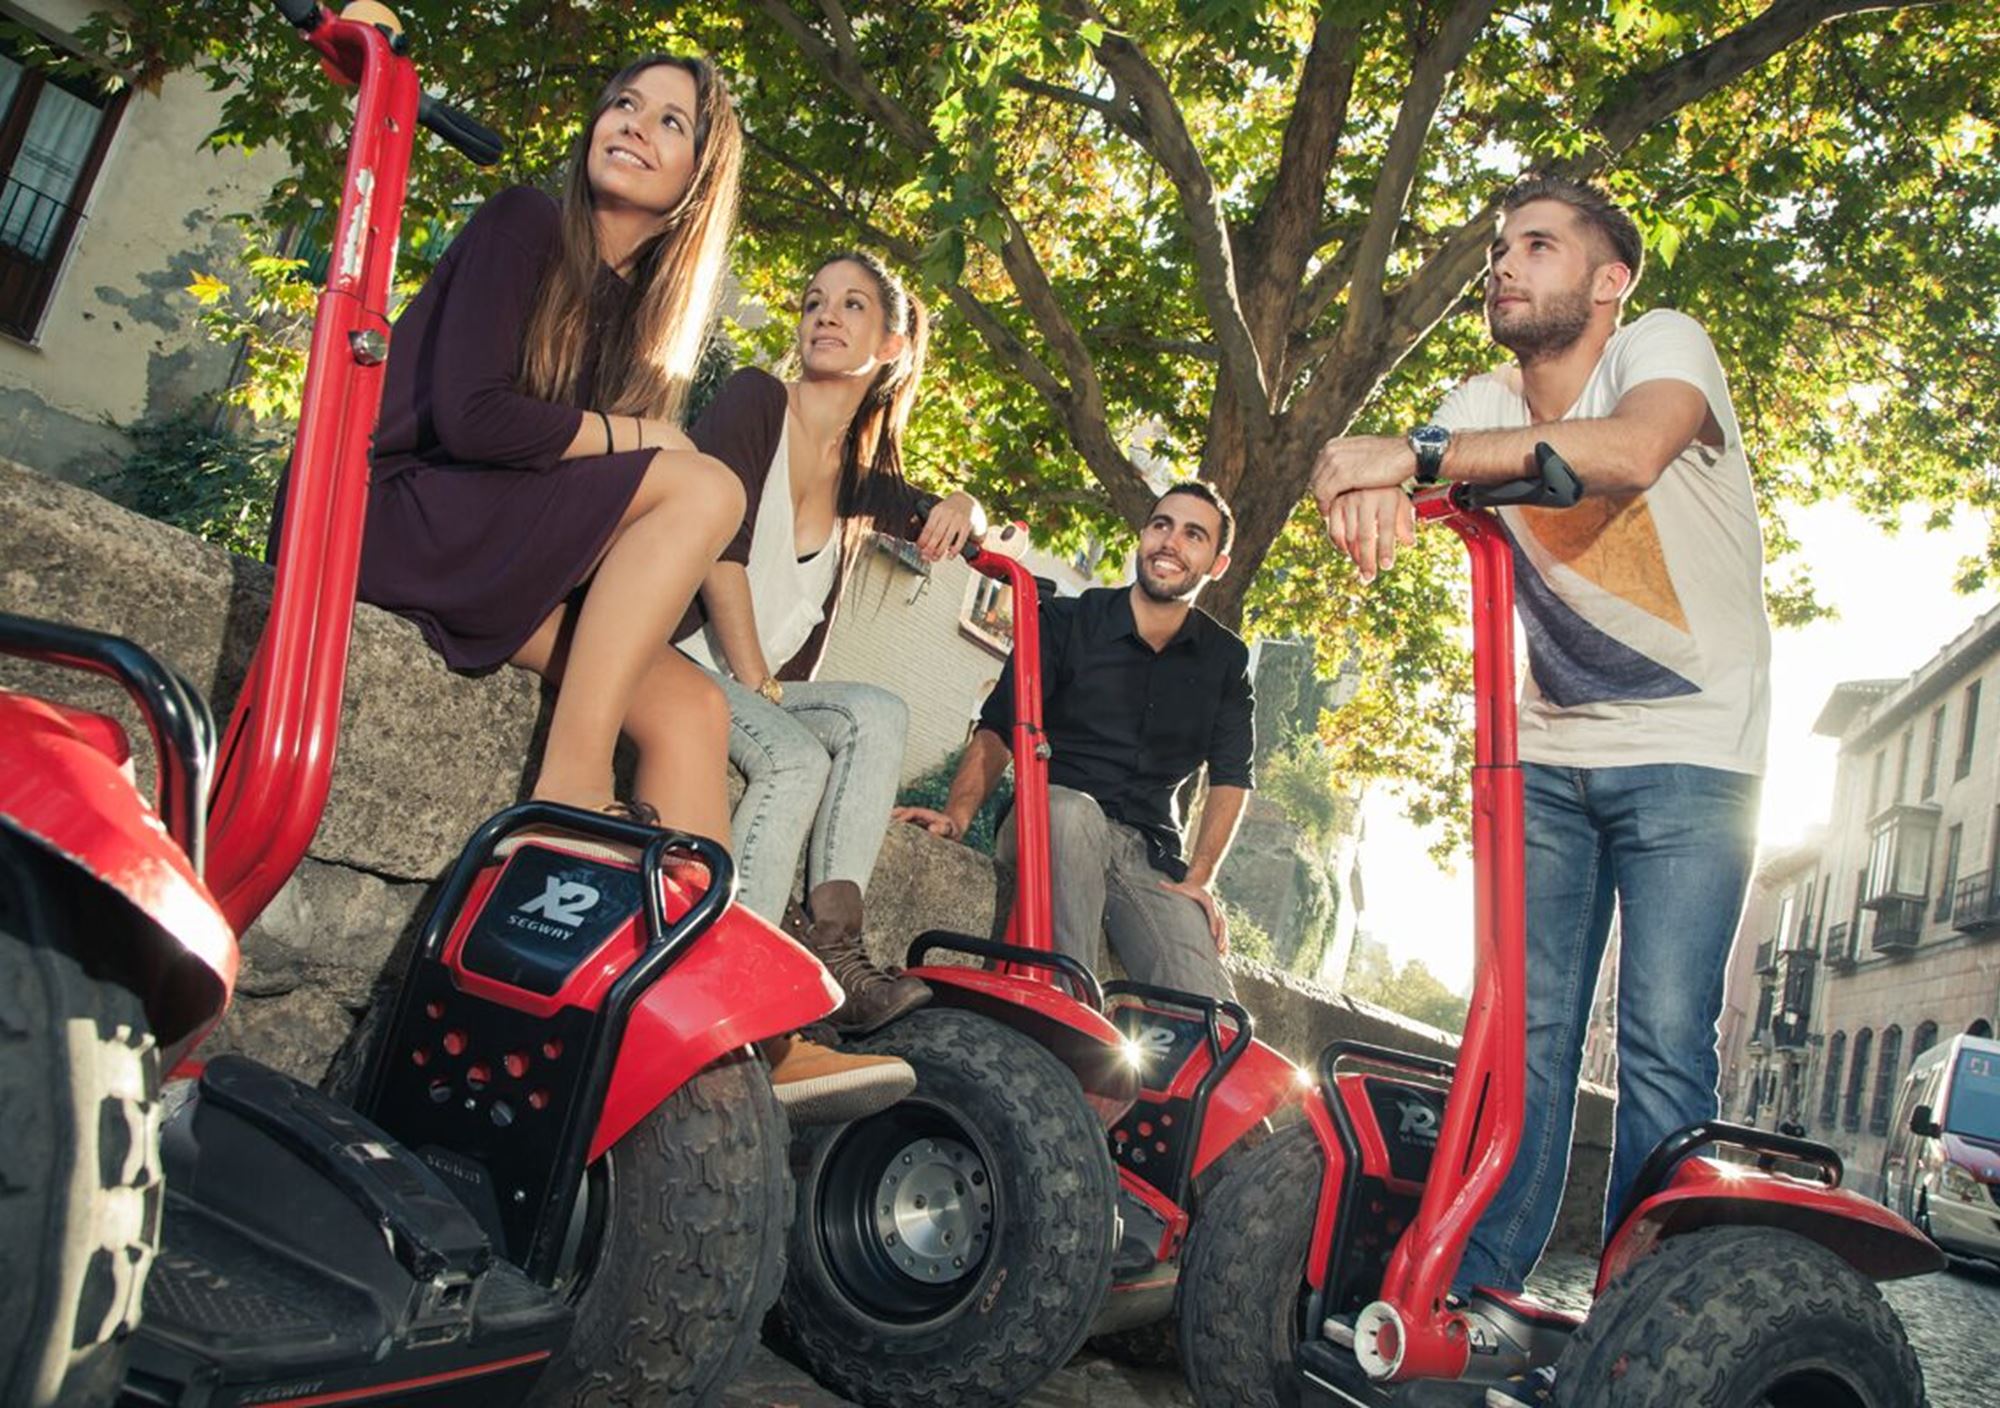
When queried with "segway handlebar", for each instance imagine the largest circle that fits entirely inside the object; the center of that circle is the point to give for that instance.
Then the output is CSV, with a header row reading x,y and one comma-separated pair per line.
x,y
467,134
479,143
1553,485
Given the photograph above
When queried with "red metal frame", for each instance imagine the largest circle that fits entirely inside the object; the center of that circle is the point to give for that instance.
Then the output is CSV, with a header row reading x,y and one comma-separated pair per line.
x,y
1032,924
1333,1174
277,757
1260,1082
1482,1121
1409,1330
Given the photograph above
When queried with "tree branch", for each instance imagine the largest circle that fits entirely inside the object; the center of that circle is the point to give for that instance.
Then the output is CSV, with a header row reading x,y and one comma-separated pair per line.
x,y
1120,115
1080,404
1673,86
1169,142
1287,230
841,60
1430,293
1429,77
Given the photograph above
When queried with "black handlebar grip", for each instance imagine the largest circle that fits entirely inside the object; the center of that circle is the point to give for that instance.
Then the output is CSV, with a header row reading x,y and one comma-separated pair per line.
x,y
1556,486
920,514
474,138
303,13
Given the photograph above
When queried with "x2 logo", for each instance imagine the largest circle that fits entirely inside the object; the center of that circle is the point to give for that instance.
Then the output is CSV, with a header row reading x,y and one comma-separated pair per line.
x,y
548,913
565,902
1416,1120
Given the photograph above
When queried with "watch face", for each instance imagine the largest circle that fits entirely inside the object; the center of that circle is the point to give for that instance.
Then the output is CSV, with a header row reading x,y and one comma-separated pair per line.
x,y
1430,439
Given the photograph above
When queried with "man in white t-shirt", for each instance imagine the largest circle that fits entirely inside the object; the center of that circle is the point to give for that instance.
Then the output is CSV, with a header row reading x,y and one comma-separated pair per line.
x,y
1643,719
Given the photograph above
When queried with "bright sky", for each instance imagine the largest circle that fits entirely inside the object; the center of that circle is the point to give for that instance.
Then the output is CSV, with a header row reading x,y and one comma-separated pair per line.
x,y
1896,609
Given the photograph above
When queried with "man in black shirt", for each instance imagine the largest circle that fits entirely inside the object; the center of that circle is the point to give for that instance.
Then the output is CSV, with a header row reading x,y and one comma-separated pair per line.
x,y
1139,689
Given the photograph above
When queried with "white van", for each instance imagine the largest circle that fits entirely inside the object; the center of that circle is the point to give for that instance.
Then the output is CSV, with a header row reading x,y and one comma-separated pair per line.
x,y
1942,1167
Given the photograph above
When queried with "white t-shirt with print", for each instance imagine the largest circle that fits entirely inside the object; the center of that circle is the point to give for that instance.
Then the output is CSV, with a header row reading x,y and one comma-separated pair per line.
x,y
787,593
1644,614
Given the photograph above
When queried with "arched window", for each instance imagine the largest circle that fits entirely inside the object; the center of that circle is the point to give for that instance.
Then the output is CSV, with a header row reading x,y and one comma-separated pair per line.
x,y
1857,1081
1925,1039
1980,1027
1829,1095
1885,1080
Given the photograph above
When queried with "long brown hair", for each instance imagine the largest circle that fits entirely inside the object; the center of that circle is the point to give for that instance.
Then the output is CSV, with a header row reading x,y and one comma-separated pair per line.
x,y
646,358
871,450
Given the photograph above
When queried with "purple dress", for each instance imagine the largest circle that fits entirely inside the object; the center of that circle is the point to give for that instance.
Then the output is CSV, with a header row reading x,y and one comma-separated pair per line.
x,y
476,529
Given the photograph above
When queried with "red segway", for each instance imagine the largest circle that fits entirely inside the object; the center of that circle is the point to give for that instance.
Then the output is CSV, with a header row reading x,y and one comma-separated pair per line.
x,y
1039,1184
565,1176
1320,1269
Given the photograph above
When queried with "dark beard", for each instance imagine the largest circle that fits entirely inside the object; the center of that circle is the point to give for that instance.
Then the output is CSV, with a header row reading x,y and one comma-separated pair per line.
x,y
1549,330
1154,591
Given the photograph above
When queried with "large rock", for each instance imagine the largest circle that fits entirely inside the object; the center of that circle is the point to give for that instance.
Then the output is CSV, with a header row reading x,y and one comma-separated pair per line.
x,y
426,754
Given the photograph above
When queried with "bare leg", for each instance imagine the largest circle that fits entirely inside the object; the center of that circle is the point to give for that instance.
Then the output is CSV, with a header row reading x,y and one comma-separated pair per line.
x,y
679,721
684,511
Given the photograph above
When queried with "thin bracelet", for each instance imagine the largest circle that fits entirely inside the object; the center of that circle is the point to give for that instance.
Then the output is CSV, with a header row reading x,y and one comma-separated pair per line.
x,y
610,445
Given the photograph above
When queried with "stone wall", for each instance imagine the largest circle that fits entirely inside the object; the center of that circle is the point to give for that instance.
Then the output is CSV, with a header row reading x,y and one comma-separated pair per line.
x,y
425,755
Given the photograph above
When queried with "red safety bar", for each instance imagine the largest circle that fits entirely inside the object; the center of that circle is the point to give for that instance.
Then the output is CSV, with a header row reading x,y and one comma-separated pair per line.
x,y
1482,1123
277,757
1032,924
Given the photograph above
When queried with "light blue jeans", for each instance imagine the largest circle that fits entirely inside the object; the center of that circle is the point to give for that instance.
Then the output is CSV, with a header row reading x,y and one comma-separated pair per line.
x,y
1672,845
821,773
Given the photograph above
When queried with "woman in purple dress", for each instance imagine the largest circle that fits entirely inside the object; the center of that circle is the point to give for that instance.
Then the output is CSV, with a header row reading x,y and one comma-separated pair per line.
x,y
534,499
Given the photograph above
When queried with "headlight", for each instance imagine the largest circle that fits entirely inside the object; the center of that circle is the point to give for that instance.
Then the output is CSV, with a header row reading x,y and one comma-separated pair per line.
x,y
1961,1187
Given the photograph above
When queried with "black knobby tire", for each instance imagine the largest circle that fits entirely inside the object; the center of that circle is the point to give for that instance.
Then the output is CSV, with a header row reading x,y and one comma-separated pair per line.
x,y
1157,1345
682,1250
80,1190
1035,1195
1243,1280
1740,1317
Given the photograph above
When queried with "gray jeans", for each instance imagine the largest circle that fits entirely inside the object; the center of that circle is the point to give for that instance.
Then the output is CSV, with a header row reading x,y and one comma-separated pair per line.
x,y
1103,883
821,768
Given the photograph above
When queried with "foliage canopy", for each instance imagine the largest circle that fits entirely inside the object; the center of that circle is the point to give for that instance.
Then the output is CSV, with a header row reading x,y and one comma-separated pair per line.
x,y
1205,235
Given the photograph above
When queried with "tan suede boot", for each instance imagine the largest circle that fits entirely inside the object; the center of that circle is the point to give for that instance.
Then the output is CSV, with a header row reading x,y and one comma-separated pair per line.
x,y
833,933
819,1085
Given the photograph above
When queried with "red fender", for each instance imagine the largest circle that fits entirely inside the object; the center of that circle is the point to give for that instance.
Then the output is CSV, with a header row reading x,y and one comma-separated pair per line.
x,y
740,983
1710,1193
1078,1035
66,785
1259,1082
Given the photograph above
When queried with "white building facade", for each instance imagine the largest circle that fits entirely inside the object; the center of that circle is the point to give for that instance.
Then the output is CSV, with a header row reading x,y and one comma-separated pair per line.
x,y
1882,937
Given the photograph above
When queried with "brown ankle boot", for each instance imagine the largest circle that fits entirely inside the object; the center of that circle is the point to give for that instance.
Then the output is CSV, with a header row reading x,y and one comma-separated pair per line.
x,y
833,933
818,1085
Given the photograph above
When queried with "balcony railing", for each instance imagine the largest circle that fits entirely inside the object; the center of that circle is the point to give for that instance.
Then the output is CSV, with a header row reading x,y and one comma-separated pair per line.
x,y
35,229
1794,987
1898,923
1839,947
1767,956
1975,905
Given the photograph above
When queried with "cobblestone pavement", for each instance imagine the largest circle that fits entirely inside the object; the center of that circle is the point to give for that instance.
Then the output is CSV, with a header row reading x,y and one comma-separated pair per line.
x,y
1953,1319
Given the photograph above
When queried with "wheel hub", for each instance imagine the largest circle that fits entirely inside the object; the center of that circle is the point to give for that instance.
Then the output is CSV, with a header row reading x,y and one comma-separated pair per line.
x,y
933,1209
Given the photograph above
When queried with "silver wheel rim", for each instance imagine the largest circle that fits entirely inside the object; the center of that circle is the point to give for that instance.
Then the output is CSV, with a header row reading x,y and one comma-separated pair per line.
x,y
933,1209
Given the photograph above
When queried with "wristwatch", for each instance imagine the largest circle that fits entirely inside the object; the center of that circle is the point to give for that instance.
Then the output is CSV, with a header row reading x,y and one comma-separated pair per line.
x,y
1429,442
772,690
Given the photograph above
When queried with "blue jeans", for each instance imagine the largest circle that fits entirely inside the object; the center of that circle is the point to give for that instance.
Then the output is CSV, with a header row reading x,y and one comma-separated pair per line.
x,y
1672,845
821,768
